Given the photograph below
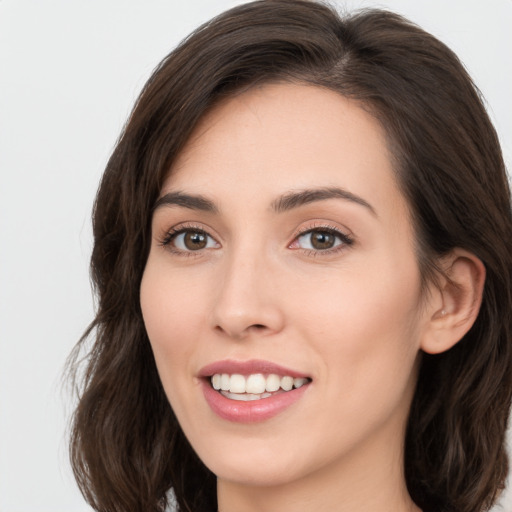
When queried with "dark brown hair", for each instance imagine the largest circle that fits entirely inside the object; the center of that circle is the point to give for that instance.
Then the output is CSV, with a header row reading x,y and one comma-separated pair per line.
x,y
127,448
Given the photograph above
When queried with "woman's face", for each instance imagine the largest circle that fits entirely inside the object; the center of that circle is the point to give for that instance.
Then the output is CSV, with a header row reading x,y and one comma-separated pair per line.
x,y
283,254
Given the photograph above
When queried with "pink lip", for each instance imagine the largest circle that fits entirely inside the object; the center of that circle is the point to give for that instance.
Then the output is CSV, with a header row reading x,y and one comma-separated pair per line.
x,y
248,367
255,410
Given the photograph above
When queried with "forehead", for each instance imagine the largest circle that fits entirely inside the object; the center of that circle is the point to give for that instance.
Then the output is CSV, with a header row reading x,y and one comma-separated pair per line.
x,y
281,137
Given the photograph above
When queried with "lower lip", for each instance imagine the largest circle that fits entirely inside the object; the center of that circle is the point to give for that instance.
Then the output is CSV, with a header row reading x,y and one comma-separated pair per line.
x,y
252,411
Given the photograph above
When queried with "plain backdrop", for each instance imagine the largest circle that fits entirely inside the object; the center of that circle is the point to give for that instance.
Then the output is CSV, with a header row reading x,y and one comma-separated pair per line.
x,y
70,71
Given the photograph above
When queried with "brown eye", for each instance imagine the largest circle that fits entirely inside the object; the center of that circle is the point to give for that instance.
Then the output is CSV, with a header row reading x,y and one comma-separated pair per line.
x,y
188,240
194,241
322,240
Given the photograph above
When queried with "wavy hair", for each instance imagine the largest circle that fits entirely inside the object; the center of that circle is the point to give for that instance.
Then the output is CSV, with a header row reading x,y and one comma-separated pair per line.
x,y
127,448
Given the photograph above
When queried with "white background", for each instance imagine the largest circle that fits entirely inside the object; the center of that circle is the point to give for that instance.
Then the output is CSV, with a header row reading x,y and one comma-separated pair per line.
x,y
70,71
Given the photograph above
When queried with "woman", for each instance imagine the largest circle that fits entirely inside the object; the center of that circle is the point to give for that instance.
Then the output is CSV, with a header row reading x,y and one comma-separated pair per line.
x,y
302,259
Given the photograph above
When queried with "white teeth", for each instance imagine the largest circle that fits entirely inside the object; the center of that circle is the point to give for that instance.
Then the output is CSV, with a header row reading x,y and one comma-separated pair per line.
x,y
287,383
254,385
273,382
237,383
245,397
216,381
297,383
224,382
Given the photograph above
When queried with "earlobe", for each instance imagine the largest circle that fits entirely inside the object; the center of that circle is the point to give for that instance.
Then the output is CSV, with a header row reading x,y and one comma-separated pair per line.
x,y
458,300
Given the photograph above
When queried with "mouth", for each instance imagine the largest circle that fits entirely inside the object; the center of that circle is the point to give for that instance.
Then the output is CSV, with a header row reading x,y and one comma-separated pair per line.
x,y
256,386
251,391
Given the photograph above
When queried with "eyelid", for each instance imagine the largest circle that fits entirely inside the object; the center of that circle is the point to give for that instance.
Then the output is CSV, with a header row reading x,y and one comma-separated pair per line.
x,y
345,235
165,240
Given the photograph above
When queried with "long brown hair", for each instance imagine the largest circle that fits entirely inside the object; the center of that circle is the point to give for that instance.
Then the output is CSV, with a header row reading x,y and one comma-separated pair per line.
x,y
127,448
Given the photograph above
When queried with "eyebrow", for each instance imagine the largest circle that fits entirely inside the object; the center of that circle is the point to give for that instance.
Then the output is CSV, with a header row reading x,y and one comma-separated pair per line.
x,y
284,203
193,202
302,197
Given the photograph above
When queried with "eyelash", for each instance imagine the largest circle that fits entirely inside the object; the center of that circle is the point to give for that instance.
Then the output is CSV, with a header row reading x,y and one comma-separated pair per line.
x,y
345,240
173,233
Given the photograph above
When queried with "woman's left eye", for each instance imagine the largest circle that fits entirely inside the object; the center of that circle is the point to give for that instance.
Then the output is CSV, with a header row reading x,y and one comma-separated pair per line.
x,y
321,239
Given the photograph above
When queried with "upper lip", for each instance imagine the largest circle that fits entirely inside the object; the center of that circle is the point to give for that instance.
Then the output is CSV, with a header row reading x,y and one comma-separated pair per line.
x,y
249,367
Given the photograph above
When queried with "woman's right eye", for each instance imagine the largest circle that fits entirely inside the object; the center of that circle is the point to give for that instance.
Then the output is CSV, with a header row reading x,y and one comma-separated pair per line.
x,y
189,240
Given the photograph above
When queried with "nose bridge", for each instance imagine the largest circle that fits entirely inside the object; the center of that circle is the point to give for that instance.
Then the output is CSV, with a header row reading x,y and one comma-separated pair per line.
x,y
246,299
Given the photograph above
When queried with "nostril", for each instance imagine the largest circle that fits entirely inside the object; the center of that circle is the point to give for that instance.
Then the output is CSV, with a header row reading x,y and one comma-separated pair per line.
x,y
258,329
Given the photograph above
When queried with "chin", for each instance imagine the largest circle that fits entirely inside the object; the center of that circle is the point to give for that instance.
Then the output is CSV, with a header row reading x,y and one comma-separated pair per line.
x,y
255,473
252,463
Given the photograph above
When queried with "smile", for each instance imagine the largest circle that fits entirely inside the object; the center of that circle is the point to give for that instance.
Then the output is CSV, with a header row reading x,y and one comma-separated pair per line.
x,y
251,391
256,386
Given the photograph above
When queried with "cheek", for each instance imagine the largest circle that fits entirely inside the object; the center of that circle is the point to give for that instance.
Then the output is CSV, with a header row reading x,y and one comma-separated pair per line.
x,y
168,308
366,323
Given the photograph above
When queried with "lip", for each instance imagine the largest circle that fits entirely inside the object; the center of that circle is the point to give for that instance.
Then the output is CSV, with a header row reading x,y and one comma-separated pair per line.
x,y
250,412
231,366
253,411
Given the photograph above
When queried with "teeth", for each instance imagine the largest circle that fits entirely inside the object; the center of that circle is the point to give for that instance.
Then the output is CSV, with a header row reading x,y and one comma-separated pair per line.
x,y
297,383
237,384
254,386
216,381
273,382
245,397
224,382
287,383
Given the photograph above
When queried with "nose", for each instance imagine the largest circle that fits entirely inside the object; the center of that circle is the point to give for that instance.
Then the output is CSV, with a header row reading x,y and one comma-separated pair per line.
x,y
248,300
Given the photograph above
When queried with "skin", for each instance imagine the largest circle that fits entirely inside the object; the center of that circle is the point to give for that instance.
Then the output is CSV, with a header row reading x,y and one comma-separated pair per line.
x,y
353,317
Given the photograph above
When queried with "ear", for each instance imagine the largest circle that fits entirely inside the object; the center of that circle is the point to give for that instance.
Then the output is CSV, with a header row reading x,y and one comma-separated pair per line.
x,y
454,304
